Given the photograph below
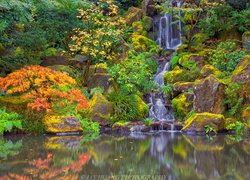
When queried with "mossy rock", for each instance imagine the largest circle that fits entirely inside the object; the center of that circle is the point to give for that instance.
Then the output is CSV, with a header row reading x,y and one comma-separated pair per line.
x,y
173,76
100,108
207,70
147,23
181,75
231,34
242,71
142,43
241,75
209,95
181,106
142,108
181,87
99,80
246,40
198,122
61,124
190,60
133,14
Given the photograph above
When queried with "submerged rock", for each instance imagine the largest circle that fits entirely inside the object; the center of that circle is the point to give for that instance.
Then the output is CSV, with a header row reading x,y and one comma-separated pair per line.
x,y
100,108
199,121
208,95
61,124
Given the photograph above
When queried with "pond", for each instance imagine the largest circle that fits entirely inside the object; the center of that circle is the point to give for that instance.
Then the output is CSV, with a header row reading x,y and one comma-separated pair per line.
x,y
138,156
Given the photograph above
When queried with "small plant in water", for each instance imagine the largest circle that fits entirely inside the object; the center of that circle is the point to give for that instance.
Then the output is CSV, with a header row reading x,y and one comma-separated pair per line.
x,y
148,121
209,129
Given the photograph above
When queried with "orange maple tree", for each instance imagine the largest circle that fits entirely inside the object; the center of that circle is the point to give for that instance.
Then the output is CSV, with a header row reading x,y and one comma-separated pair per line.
x,y
43,86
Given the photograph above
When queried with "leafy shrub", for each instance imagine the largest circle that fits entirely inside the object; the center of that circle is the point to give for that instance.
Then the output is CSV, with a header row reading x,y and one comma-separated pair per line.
x,y
8,121
176,57
89,125
134,73
43,86
167,90
147,121
232,99
125,106
225,57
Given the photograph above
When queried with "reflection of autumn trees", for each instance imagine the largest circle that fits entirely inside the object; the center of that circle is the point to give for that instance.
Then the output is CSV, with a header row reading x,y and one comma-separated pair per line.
x,y
47,168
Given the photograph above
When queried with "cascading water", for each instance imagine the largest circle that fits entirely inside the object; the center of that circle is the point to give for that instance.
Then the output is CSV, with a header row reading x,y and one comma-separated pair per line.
x,y
169,38
158,110
168,30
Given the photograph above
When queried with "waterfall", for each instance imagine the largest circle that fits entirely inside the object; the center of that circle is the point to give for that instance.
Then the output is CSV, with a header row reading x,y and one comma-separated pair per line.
x,y
168,30
168,37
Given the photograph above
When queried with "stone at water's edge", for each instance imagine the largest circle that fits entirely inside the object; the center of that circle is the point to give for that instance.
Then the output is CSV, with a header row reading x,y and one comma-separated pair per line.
x,y
197,122
209,95
100,108
61,124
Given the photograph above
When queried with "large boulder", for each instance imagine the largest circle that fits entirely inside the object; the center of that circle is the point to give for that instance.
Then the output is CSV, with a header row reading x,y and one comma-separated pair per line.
x,y
100,108
61,124
208,95
134,14
198,122
246,40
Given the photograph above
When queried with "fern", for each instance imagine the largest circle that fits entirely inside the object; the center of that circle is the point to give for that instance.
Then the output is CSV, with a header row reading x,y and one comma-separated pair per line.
x,y
8,121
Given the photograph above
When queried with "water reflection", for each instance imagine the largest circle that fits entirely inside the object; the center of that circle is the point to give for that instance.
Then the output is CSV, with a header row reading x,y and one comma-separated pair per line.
x,y
175,156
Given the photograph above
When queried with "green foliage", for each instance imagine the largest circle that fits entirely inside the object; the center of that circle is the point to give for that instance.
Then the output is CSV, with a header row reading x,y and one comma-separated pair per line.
x,y
134,73
8,148
225,57
180,106
167,90
97,89
237,126
89,125
30,28
147,121
9,121
125,106
176,57
209,129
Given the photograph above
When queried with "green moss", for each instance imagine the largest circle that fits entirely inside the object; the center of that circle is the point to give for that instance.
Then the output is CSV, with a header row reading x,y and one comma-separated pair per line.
x,y
180,106
181,75
242,66
208,70
120,123
138,28
100,108
199,121
147,22
142,107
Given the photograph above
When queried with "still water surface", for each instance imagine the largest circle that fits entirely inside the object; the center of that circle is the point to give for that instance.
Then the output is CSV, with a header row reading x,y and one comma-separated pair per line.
x,y
158,156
